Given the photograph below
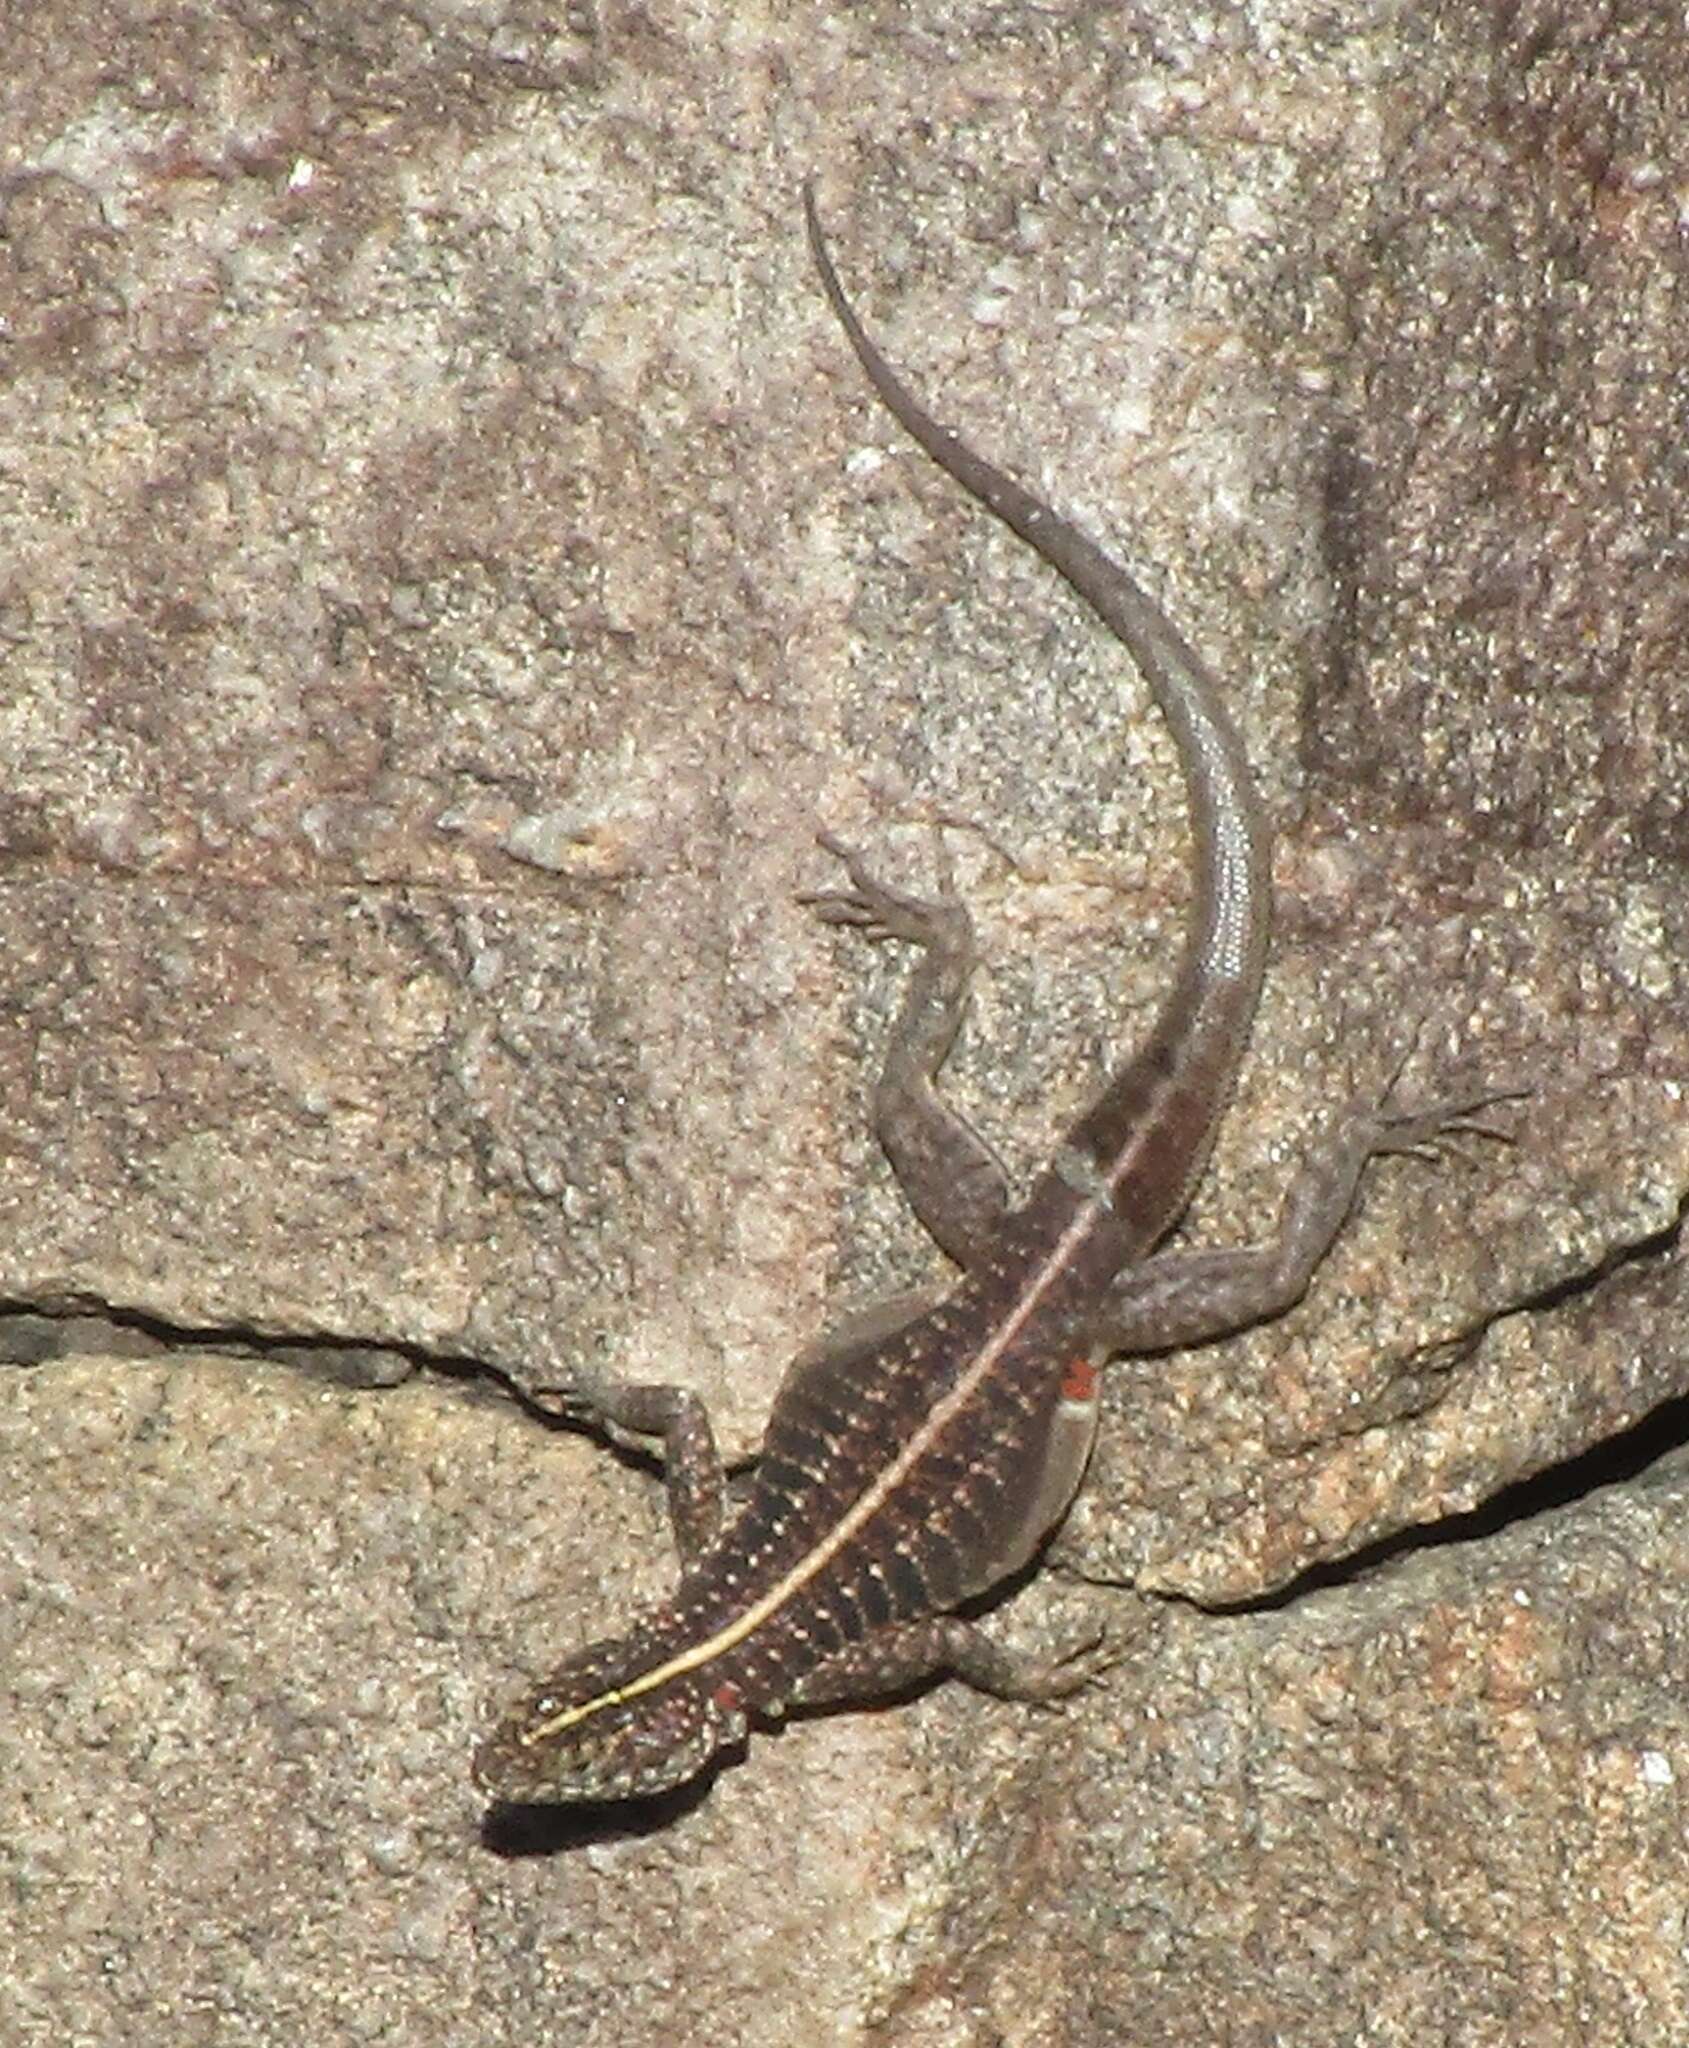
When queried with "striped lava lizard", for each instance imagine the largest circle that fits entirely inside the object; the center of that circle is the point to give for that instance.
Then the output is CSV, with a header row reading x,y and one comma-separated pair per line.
x,y
926,1452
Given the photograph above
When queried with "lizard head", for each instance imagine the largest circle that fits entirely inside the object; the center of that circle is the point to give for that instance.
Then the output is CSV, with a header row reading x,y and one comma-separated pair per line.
x,y
607,1726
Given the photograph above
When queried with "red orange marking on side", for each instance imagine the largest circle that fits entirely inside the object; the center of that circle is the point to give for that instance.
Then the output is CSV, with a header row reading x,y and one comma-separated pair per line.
x,y
1079,1380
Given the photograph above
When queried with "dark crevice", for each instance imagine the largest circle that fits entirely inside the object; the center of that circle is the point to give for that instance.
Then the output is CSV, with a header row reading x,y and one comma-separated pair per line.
x,y
1435,1365
70,1326
1576,1286
1612,1462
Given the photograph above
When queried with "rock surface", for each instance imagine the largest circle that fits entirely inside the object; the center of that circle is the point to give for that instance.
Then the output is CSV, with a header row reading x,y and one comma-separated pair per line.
x,y
448,570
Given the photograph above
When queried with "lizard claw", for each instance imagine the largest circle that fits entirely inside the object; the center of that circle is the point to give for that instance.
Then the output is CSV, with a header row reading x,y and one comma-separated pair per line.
x,y
1081,1664
564,1404
877,910
1430,1130
1427,1130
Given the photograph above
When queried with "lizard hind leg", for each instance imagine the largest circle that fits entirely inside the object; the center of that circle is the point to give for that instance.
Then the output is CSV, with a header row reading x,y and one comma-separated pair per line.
x,y
951,1177
1189,1295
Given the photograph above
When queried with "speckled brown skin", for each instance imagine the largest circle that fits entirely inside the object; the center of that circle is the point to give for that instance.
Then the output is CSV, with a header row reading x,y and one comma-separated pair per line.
x,y
926,1454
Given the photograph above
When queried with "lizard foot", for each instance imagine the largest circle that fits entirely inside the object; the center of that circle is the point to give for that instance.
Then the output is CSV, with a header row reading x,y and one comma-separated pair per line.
x,y
1428,1130
1083,1663
879,911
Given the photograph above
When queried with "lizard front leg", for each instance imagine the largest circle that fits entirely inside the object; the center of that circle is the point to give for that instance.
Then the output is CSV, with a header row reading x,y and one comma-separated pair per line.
x,y
634,1413
908,1652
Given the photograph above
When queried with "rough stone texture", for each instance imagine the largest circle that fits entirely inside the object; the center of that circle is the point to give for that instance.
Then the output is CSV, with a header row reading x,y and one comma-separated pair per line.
x,y
448,568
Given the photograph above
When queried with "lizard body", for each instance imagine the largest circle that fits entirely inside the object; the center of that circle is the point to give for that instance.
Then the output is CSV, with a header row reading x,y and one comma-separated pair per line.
x,y
924,1456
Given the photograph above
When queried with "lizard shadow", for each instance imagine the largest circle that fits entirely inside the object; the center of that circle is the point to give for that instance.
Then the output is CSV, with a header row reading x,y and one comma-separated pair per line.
x,y
515,1832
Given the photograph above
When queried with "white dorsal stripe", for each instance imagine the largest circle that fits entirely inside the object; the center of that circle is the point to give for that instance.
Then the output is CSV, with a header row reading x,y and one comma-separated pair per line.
x,y
867,1503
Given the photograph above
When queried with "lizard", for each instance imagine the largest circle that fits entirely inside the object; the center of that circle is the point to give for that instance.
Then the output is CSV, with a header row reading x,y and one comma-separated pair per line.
x,y
926,1453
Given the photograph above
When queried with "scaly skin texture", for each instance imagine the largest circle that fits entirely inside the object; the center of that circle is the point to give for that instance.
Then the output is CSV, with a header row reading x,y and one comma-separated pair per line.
x,y
925,1454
